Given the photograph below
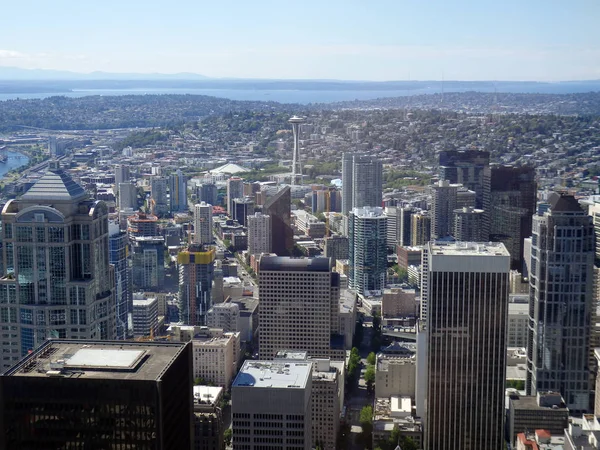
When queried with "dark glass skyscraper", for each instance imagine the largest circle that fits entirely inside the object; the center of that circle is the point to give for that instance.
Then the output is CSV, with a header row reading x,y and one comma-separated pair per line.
x,y
279,208
469,168
510,206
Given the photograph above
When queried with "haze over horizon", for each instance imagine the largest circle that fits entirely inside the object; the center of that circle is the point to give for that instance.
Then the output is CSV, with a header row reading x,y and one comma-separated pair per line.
x,y
334,40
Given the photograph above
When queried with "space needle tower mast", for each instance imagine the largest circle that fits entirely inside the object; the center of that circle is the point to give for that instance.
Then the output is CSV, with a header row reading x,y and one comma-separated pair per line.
x,y
296,166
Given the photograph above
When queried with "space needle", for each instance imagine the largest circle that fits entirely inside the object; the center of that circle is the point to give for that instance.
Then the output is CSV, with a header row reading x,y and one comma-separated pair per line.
x,y
296,166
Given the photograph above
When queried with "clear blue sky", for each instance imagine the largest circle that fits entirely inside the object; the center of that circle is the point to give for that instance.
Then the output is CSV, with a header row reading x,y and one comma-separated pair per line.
x,y
352,39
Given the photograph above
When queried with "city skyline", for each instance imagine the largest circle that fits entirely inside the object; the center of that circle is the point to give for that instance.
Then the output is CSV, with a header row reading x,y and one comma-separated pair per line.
x,y
395,41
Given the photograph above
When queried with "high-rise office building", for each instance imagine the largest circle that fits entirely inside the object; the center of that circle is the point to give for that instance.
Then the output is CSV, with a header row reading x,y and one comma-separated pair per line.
x,y
468,225
464,310
420,228
203,223
443,204
118,252
178,192
299,305
158,191
81,394
511,205
57,281
242,208
259,234
122,174
561,296
207,193
392,213
147,262
368,250
278,207
405,225
145,316
469,168
347,162
235,189
127,196
271,405
196,271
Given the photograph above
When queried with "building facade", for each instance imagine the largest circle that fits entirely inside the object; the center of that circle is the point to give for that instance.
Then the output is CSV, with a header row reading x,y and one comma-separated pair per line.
x,y
271,406
145,316
469,225
299,305
362,182
203,223
368,249
196,272
178,192
561,296
140,392
466,299
278,207
57,281
259,234
443,204
118,257
235,189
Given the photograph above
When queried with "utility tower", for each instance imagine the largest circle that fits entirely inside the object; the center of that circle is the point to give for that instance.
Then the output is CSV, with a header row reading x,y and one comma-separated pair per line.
x,y
296,166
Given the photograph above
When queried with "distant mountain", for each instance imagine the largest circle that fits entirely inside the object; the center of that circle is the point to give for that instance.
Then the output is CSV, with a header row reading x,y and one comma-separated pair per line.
x,y
16,73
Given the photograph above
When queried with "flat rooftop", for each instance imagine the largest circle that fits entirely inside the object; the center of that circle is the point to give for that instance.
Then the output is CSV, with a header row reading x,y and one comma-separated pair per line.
x,y
207,394
287,264
274,374
469,248
99,359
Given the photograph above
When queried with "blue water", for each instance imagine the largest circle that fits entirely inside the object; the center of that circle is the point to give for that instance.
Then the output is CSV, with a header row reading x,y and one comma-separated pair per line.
x,y
14,160
305,96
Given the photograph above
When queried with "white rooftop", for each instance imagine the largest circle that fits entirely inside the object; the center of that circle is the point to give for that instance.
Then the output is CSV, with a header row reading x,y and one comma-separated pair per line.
x,y
231,169
207,394
469,248
274,374
104,358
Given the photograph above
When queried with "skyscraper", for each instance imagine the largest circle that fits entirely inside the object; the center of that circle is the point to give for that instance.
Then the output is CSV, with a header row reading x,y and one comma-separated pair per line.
x,y
368,249
158,191
203,223
196,270
57,280
469,168
420,228
178,192
118,243
299,305
147,262
121,174
362,181
468,225
279,208
295,121
235,189
242,207
82,394
208,193
561,297
464,314
511,205
259,234
443,204
127,196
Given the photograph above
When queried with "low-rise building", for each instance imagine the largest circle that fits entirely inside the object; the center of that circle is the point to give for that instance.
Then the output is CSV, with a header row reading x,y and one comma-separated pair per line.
x,y
545,411
398,302
395,373
396,412
327,401
582,433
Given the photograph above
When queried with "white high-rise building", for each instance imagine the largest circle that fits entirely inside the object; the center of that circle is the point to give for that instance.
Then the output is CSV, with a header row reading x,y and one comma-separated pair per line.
x,y
368,249
463,364
145,315
362,182
203,223
259,234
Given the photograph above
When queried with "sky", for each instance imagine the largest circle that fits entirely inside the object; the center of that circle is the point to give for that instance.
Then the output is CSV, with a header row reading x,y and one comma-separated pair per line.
x,y
541,40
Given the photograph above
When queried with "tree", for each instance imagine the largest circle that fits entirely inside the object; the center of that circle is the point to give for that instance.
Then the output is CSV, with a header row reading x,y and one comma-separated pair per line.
x,y
370,378
366,422
371,359
227,435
